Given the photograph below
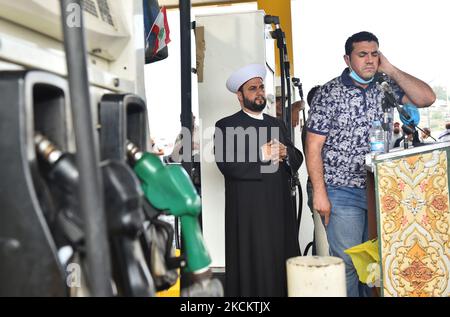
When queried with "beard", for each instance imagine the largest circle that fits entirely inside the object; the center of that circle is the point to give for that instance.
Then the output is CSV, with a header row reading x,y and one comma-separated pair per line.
x,y
253,105
396,130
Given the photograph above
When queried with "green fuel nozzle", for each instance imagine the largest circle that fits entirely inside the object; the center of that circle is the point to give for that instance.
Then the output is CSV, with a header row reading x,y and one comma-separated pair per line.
x,y
168,188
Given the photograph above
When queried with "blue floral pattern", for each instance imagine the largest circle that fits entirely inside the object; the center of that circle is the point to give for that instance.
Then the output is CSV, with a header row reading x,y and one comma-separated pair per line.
x,y
344,112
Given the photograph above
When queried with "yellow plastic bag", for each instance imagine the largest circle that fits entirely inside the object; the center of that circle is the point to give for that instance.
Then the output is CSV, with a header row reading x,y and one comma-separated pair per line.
x,y
366,259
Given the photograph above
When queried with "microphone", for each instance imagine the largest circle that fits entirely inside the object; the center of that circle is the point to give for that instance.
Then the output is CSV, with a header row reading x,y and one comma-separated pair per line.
x,y
408,129
272,19
390,99
297,83
278,34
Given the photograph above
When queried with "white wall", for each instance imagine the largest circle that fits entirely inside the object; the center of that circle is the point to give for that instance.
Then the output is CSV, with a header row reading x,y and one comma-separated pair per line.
x,y
163,81
228,48
413,35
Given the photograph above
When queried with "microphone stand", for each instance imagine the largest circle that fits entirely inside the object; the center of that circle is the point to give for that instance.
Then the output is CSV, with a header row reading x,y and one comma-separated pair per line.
x,y
278,34
287,68
426,133
387,107
387,124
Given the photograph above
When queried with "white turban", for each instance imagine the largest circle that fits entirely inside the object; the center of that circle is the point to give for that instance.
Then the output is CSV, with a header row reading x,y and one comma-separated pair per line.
x,y
244,74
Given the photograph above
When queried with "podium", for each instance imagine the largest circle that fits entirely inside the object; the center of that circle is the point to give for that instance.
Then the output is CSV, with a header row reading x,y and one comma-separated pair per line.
x,y
408,210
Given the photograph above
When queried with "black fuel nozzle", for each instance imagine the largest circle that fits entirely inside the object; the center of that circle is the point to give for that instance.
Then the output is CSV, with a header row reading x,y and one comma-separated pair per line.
x,y
62,167
60,170
46,149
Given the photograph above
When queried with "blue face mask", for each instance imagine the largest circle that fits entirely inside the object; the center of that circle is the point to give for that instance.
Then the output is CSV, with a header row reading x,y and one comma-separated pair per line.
x,y
358,79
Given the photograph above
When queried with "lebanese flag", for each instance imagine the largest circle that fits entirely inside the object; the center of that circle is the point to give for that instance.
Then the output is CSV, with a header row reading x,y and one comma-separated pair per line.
x,y
160,29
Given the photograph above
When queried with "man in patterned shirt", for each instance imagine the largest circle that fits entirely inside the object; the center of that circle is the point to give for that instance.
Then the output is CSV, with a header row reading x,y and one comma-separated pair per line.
x,y
340,116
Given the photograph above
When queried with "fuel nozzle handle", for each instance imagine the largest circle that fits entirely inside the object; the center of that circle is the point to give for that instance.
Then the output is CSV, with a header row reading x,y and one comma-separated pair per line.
x,y
168,188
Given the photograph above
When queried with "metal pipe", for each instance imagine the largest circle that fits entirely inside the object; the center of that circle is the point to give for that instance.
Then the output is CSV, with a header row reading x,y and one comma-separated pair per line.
x,y
289,124
186,81
87,157
186,93
282,75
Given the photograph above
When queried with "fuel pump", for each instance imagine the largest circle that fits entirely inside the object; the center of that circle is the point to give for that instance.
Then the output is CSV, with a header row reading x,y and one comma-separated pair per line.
x,y
124,214
30,100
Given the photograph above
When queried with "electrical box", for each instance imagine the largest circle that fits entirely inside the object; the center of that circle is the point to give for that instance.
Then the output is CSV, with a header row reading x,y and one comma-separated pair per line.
x,y
31,38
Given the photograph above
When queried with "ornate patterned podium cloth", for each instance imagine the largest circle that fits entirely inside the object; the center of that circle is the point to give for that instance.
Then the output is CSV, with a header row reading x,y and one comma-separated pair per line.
x,y
412,193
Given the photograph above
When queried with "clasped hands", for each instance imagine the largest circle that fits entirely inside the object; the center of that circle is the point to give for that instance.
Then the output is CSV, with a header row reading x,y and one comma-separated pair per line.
x,y
274,151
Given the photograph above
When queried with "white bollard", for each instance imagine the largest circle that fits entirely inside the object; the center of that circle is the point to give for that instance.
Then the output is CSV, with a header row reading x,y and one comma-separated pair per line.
x,y
316,276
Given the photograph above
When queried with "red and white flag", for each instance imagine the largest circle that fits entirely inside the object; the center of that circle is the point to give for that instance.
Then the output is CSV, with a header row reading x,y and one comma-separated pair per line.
x,y
160,29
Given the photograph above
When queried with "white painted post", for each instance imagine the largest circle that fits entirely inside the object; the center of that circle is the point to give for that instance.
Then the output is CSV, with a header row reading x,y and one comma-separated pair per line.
x,y
316,276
